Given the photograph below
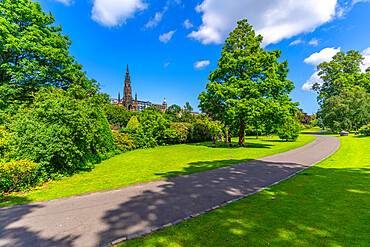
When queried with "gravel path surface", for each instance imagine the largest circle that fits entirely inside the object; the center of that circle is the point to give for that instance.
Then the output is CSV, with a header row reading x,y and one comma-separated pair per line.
x,y
103,217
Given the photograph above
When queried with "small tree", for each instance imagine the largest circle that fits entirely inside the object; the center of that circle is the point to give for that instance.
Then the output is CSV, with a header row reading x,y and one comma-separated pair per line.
x,y
249,87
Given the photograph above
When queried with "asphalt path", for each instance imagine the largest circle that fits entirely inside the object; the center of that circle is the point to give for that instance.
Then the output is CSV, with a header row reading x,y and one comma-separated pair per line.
x,y
102,217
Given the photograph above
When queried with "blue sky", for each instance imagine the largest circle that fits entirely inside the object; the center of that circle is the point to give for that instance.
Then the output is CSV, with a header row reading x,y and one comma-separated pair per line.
x,y
171,46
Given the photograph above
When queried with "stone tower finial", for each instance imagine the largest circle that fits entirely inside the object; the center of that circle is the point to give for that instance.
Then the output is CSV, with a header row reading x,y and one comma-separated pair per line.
x,y
127,70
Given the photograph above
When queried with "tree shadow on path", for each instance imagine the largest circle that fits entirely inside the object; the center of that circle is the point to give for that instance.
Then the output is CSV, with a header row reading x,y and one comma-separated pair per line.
x,y
14,233
172,199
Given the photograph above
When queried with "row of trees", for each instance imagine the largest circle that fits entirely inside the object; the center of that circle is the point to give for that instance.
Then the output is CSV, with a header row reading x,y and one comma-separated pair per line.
x,y
344,94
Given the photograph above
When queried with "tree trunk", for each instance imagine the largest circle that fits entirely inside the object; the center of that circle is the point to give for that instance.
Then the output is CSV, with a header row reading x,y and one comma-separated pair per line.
x,y
241,133
257,135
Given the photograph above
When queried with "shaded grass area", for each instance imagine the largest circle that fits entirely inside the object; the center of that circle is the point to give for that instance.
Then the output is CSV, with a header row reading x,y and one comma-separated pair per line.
x,y
325,205
156,163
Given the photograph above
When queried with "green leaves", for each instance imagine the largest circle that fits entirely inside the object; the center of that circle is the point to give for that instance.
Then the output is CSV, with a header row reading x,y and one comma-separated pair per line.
x,y
34,53
248,83
340,75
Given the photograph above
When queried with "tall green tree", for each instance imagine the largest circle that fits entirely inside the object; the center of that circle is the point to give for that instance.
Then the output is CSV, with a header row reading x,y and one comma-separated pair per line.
x,y
34,54
249,87
339,75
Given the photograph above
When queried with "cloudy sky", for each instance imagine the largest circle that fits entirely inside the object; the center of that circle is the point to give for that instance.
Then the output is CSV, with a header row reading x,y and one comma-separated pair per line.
x,y
171,46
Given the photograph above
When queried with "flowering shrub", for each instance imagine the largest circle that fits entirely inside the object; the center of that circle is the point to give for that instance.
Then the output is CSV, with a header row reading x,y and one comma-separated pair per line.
x,y
365,130
17,175
123,142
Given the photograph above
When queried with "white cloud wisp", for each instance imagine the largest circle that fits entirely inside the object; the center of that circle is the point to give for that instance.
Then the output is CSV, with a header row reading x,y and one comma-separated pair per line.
x,y
200,65
166,36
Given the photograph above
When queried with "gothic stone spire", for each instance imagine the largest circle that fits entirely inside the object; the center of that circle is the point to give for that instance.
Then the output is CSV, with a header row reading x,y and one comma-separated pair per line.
x,y
127,93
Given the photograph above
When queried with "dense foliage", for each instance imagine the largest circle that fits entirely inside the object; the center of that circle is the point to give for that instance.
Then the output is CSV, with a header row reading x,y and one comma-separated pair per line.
x,y
117,115
249,87
365,130
339,75
344,95
349,111
61,133
34,54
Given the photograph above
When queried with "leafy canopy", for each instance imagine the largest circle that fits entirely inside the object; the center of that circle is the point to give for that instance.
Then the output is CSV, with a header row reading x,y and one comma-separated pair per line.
x,y
34,54
249,86
341,74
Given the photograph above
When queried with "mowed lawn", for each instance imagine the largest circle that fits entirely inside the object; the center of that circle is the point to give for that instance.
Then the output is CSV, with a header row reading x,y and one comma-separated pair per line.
x,y
156,163
325,205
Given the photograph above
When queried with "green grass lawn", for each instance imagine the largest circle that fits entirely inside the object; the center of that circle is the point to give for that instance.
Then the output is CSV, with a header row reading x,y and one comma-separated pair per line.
x,y
156,163
325,205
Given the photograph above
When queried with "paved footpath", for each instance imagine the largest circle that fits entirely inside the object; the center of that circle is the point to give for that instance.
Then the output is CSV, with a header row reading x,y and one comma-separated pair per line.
x,y
102,217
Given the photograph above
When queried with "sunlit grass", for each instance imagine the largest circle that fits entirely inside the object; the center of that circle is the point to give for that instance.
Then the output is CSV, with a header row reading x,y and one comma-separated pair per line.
x,y
325,205
156,163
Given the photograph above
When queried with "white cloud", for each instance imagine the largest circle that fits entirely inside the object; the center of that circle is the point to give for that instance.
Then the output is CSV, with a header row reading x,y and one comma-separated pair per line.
x,y
315,78
201,64
296,42
112,13
366,62
66,2
314,42
274,19
157,18
187,24
166,36
166,65
325,55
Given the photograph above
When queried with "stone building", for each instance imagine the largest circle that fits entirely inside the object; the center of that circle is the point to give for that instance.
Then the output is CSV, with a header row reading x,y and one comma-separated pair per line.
x,y
134,104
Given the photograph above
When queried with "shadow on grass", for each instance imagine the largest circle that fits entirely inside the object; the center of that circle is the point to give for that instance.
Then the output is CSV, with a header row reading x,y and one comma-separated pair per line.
x,y
7,200
201,166
319,207
16,229
234,145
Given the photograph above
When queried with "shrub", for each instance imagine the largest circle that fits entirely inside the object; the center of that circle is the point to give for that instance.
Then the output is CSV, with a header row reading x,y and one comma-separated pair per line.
x,y
170,136
4,142
17,175
289,130
123,142
183,131
61,133
133,123
365,130
200,133
117,115
214,127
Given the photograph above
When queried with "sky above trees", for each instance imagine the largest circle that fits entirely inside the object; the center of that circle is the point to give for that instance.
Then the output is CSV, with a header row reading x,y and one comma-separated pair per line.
x,y
170,46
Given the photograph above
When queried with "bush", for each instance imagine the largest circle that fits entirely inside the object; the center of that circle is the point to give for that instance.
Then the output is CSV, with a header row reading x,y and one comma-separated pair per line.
x,y
61,133
183,131
17,175
290,129
123,142
133,123
214,127
4,142
365,130
117,115
200,133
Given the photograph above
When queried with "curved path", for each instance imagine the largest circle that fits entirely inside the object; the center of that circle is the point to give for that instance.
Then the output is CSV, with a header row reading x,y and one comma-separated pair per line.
x,y
99,218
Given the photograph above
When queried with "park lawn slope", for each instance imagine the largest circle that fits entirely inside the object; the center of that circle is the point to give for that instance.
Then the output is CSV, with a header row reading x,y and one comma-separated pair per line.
x,y
325,205
156,163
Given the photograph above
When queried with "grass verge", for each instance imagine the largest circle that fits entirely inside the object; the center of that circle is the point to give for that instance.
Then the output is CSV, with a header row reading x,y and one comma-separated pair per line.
x,y
325,205
156,163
